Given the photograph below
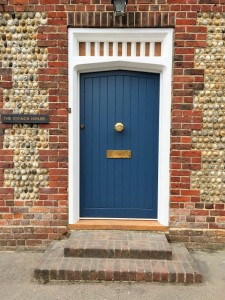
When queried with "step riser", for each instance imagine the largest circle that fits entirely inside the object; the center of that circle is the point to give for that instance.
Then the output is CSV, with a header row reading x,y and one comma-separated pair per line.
x,y
111,253
45,276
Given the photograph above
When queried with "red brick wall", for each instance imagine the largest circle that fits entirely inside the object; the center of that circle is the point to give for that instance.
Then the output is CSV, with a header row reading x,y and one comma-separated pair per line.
x,y
186,207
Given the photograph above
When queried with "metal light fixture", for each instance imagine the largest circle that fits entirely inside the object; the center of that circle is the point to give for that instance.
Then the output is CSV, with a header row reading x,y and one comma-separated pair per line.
x,y
119,7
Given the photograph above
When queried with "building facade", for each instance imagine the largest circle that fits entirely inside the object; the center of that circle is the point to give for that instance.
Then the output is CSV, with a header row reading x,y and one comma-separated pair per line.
x,y
136,117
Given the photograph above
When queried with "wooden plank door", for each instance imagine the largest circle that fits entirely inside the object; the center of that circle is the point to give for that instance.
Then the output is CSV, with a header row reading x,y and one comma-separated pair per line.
x,y
119,187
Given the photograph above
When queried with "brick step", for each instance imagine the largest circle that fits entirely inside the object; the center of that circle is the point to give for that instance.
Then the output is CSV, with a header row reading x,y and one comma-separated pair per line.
x,y
55,266
118,244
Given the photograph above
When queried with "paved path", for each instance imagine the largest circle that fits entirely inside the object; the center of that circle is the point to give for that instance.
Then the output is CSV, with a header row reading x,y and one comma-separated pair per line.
x,y
16,282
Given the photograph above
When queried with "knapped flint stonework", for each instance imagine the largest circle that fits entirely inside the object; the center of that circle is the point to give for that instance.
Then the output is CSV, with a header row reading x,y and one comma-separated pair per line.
x,y
19,51
210,180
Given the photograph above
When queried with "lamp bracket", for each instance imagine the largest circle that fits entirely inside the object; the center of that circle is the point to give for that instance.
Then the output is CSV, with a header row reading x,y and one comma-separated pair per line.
x,y
119,7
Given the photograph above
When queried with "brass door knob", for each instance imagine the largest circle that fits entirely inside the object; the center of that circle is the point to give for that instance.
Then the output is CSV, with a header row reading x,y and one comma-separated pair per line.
x,y
119,127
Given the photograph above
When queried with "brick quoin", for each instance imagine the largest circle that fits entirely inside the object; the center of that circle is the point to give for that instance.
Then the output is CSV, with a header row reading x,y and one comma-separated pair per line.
x,y
25,223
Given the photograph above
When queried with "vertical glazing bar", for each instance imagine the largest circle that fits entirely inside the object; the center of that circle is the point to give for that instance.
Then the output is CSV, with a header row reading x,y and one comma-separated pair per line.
x,y
124,49
152,49
88,49
133,49
142,51
97,49
106,49
115,49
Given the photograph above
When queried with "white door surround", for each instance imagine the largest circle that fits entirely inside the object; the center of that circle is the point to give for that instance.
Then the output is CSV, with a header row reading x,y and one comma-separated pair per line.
x,y
143,50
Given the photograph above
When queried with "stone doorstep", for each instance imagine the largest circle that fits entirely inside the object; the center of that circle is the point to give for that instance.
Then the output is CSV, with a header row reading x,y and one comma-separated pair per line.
x,y
54,266
118,244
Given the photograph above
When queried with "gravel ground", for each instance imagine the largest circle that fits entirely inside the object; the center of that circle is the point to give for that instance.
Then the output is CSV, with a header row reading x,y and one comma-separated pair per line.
x,y
16,282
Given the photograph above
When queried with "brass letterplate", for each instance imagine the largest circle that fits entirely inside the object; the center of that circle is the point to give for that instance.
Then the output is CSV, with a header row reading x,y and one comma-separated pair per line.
x,y
118,154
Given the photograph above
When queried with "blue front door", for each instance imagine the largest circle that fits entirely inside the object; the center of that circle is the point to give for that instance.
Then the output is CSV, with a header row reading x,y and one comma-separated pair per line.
x,y
112,187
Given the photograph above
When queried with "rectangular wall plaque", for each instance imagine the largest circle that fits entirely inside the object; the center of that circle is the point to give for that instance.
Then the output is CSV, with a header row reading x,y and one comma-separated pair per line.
x,y
29,119
118,154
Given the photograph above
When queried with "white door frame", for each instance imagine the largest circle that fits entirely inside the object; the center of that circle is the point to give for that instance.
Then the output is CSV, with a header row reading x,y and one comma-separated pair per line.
x,y
84,64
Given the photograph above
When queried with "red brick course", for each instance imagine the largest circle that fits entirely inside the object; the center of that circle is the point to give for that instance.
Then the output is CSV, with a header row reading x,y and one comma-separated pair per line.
x,y
186,211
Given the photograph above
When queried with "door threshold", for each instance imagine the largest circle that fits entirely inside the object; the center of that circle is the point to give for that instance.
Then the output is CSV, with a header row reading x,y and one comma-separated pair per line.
x,y
96,224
